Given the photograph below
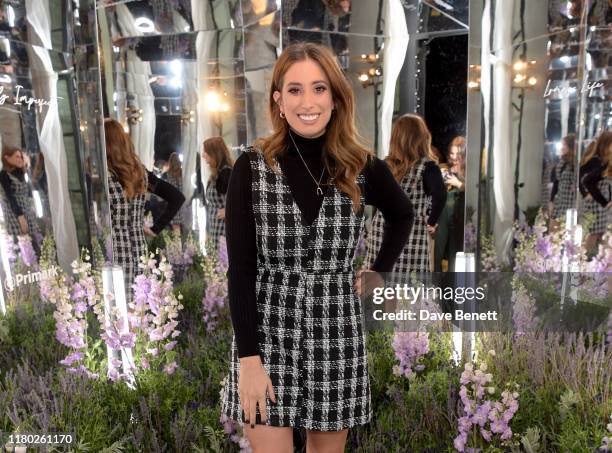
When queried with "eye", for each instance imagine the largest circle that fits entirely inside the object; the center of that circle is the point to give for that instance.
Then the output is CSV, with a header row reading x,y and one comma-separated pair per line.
x,y
293,90
320,88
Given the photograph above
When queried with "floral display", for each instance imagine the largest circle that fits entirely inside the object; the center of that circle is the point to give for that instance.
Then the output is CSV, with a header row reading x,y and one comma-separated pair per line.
x,y
409,348
485,419
215,295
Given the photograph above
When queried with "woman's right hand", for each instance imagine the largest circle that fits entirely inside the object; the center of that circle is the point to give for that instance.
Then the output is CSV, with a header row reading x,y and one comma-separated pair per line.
x,y
253,383
23,224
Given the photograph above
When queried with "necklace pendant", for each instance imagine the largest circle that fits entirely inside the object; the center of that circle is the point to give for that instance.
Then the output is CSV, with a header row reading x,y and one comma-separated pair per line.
x,y
319,191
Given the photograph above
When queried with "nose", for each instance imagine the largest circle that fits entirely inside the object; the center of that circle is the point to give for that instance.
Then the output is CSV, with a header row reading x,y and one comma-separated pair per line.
x,y
307,100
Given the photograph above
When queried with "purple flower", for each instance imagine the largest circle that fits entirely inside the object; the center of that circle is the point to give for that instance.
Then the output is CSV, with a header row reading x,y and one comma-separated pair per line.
x,y
507,434
460,441
498,426
170,368
72,358
544,247
28,255
170,346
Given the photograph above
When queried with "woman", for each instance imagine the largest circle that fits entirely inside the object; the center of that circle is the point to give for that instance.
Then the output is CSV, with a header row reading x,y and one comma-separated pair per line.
x,y
18,204
449,237
128,183
217,156
174,176
563,193
294,216
597,181
414,167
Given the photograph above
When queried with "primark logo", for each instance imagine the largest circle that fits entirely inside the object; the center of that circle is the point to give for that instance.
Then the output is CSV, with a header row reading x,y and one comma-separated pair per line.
x,y
10,283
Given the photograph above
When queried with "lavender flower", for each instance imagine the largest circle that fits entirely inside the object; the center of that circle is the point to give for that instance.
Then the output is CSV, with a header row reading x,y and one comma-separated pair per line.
x,y
26,251
409,348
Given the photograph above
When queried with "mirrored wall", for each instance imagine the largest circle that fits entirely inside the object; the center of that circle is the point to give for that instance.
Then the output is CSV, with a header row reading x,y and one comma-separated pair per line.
x,y
51,185
539,96
175,73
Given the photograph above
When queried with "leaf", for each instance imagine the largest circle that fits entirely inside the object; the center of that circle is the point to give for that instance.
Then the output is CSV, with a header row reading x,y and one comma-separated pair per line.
x,y
531,440
116,447
215,446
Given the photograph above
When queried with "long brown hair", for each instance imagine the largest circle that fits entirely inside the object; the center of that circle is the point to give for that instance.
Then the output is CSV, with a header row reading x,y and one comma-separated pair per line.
x,y
345,155
603,149
410,142
122,160
460,143
175,166
8,151
219,154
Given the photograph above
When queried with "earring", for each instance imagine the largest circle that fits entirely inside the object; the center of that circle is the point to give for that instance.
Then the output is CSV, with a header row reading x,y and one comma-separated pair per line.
x,y
282,115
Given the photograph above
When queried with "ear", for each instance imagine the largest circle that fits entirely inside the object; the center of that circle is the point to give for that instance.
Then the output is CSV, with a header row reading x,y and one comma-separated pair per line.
x,y
277,98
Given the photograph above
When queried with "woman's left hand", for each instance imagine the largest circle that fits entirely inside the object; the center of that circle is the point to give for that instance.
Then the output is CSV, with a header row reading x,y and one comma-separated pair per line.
x,y
364,285
148,232
454,181
221,213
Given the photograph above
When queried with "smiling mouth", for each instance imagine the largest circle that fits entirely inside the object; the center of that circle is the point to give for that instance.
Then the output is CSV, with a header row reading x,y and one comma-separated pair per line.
x,y
310,117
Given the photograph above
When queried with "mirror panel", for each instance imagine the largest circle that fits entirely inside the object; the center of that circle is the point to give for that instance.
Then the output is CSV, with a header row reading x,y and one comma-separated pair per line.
x,y
170,17
534,91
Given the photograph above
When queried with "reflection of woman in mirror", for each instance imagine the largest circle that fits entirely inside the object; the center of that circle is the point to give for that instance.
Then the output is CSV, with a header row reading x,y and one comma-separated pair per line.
x,y
413,165
563,196
216,154
294,217
449,237
174,176
128,183
18,204
596,180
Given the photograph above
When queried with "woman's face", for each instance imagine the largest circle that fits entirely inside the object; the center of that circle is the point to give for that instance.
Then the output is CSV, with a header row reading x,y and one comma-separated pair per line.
x,y
15,160
306,98
564,148
206,157
455,155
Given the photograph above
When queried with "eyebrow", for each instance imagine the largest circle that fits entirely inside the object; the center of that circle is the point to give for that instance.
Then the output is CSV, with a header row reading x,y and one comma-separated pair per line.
x,y
313,83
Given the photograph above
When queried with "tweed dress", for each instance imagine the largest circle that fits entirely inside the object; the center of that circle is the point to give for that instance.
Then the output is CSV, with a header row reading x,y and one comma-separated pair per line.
x,y
127,220
565,198
179,217
415,256
602,216
309,325
23,195
215,226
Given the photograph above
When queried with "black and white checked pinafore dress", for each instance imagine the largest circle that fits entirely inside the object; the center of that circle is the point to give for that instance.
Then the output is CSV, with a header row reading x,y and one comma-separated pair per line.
x,y
127,227
23,195
565,198
215,226
602,216
309,325
415,256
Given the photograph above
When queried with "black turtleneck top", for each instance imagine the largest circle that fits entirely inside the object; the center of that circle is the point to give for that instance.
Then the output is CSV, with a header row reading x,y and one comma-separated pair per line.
x,y
381,190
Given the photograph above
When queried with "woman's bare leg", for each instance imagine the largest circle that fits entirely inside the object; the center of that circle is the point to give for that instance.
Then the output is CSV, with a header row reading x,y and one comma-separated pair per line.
x,y
326,441
269,439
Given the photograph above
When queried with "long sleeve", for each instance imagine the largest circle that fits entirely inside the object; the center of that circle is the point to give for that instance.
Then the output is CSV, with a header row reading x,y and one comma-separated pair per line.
x,y
383,192
433,184
5,180
222,181
242,256
591,165
173,197
555,182
591,183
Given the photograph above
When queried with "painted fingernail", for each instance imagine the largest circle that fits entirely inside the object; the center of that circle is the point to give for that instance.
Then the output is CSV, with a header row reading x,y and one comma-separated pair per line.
x,y
252,426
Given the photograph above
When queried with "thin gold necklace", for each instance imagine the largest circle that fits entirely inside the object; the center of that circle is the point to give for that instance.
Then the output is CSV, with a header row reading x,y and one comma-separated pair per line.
x,y
319,190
